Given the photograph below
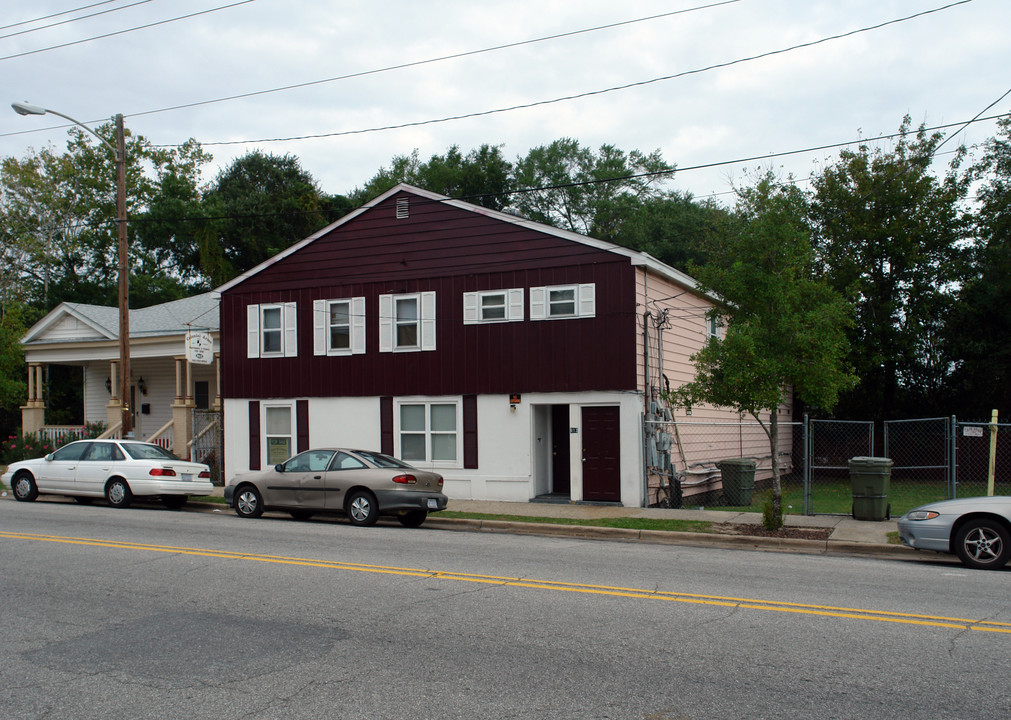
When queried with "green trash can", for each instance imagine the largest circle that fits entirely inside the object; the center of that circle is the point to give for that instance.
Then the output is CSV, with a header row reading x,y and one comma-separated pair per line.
x,y
869,478
738,480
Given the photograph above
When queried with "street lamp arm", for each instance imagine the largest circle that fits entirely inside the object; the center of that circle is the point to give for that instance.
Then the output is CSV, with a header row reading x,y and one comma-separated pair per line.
x,y
26,108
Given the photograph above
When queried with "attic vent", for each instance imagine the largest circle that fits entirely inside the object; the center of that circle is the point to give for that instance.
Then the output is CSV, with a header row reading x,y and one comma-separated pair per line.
x,y
403,208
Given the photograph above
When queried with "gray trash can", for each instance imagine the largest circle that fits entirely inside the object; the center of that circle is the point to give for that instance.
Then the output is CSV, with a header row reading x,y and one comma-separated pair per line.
x,y
738,480
869,479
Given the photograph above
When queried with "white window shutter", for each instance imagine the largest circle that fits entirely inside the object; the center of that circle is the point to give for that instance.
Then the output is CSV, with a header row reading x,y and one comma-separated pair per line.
x,y
253,331
538,303
385,323
470,301
428,321
515,307
587,300
290,331
357,325
320,316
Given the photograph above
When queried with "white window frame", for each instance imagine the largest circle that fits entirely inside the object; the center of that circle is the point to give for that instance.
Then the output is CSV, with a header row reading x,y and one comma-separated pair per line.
x,y
427,403
425,322
289,330
321,326
266,436
714,327
474,305
584,299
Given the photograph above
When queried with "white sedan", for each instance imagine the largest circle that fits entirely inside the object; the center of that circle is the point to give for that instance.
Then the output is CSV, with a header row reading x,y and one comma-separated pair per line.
x,y
117,470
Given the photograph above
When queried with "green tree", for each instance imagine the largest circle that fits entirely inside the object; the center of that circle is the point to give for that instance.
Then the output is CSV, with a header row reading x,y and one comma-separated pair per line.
x,y
482,176
890,234
258,206
584,191
978,328
784,326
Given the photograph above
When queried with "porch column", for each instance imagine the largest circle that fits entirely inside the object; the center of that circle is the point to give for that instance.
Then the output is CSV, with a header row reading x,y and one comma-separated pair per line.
x,y
217,382
182,411
113,408
33,412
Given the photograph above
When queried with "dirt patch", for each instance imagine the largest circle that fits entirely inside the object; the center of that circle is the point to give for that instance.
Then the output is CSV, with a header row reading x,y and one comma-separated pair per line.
x,y
761,531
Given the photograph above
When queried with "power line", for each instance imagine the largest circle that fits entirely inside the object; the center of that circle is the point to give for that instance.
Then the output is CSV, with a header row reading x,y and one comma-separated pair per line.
x,y
65,22
127,30
52,15
591,93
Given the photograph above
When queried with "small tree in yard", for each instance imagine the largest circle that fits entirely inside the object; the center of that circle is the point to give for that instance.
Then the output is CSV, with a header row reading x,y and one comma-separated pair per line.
x,y
785,327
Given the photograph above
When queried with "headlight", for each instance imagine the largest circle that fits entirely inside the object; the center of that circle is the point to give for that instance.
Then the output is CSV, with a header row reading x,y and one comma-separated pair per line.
x,y
922,515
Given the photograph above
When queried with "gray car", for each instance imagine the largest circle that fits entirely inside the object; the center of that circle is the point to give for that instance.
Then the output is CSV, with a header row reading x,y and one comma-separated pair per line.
x,y
357,483
976,529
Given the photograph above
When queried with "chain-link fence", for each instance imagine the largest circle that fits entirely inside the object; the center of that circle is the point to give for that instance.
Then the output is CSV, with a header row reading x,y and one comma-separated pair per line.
x,y
931,459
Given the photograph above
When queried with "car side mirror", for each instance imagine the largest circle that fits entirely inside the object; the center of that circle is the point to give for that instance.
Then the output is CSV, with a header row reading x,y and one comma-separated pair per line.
x,y
48,457
279,468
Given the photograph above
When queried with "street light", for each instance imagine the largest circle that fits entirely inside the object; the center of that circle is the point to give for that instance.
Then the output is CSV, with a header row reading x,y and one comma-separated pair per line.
x,y
119,153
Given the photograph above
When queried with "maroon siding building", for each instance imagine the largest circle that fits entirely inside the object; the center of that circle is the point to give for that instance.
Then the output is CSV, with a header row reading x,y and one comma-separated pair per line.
x,y
501,352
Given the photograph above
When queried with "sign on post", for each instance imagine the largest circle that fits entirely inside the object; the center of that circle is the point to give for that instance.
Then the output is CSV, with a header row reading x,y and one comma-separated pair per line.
x,y
199,348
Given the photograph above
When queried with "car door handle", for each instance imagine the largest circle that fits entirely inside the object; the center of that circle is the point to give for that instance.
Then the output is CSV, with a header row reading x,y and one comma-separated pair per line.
x,y
317,477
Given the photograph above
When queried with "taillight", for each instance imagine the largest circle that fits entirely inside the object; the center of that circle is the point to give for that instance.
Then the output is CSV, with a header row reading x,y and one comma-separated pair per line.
x,y
441,481
206,474
406,480
163,472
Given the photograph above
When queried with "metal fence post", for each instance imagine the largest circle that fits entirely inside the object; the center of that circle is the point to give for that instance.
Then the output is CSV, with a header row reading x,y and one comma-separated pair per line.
x,y
953,459
807,464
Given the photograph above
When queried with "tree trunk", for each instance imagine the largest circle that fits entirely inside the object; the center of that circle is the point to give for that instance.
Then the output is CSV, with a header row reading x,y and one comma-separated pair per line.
x,y
777,487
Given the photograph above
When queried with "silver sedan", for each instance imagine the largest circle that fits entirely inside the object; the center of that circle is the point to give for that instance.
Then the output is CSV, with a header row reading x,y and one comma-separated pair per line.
x,y
357,483
976,529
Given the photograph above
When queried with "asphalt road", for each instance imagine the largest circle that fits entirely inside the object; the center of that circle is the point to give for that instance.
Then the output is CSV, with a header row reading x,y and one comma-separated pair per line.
x,y
148,613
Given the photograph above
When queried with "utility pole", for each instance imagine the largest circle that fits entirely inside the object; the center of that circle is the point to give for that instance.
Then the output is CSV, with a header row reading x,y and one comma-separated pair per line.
x,y
124,282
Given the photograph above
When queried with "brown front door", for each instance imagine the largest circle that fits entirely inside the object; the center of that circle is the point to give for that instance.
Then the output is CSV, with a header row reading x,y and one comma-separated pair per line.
x,y
560,464
601,454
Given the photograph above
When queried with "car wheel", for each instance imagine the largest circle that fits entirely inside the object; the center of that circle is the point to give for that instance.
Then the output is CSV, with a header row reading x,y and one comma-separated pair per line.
x,y
24,487
983,544
412,519
117,492
174,502
300,514
248,502
362,508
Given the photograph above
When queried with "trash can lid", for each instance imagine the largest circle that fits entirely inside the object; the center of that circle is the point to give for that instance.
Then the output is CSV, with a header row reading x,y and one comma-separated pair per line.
x,y
876,461
737,462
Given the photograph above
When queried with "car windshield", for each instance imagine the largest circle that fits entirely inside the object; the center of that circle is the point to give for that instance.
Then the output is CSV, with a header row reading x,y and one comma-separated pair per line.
x,y
380,460
144,451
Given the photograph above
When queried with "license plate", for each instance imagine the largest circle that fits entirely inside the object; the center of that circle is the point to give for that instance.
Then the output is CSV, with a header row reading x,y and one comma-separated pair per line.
x,y
433,504
187,477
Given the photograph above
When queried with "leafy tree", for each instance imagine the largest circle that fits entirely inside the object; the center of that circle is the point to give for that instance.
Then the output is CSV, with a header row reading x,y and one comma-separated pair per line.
x,y
978,328
577,187
784,326
15,318
482,176
890,233
258,206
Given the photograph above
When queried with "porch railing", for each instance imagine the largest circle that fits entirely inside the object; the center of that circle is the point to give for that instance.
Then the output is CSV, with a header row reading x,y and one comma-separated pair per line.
x,y
163,436
58,434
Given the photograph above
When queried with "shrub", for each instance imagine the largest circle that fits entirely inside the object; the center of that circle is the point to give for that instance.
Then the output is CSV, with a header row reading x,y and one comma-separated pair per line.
x,y
33,445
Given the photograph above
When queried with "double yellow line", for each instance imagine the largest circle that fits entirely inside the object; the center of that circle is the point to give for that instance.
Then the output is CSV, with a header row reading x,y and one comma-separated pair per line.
x,y
714,600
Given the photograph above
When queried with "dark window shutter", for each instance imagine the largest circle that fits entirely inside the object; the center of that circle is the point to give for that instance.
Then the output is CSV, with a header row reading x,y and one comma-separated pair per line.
x,y
302,420
386,424
470,431
254,434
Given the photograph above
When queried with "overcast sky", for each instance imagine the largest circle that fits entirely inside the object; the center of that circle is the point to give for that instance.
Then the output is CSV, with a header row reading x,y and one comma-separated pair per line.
x,y
942,67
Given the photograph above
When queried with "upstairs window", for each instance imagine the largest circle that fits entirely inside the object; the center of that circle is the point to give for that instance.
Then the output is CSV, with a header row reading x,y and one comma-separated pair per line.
x,y
556,302
339,326
271,330
407,322
493,306
714,327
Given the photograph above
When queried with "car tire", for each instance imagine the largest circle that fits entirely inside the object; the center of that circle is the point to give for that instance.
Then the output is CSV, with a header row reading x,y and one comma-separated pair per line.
x,y
362,509
413,518
300,514
248,502
24,488
983,544
174,502
118,493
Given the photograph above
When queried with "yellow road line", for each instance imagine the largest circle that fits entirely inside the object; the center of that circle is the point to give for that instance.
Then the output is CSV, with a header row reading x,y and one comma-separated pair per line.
x,y
553,585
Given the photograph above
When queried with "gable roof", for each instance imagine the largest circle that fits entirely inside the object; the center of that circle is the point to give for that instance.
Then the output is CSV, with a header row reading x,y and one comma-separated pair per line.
x,y
69,322
635,257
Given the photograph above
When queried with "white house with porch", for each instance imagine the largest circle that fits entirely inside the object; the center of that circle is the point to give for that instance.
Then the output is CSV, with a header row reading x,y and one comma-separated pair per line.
x,y
166,385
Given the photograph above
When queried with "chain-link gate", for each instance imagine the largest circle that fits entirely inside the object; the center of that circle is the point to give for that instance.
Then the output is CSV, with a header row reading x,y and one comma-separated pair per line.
x,y
920,451
982,451
208,442
831,444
